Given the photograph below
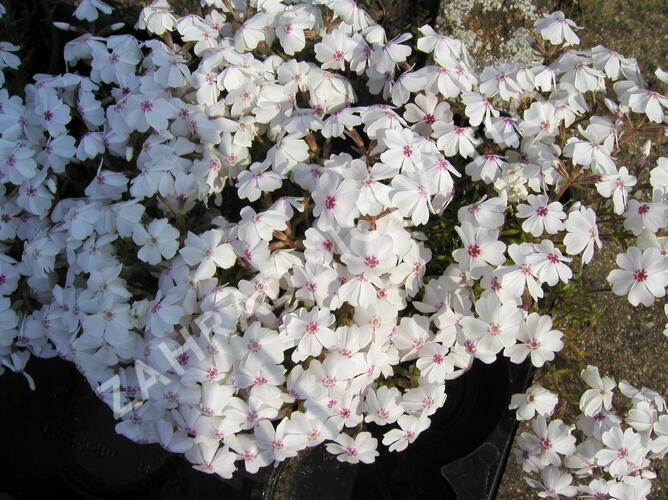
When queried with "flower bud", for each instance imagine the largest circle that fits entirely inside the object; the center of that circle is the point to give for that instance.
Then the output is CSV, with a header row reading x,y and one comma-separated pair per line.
x,y
63,26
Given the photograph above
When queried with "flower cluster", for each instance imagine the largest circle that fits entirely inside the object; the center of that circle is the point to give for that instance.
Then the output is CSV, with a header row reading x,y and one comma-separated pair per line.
x,y
228,248
609,448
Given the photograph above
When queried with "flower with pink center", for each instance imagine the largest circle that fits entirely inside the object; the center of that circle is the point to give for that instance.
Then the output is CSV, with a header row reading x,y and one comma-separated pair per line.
x,y
599,396
643,275
207,251
481,248
403,152
335,202
535,400
644,215
412,196
334,49
310,332
537,340
541,215
550,440
361,448
623,453
557,29
410,427
382,405
434,364
370,253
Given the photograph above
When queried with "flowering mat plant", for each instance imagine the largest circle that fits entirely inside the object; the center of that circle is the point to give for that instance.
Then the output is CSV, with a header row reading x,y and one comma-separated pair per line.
x,y
228,228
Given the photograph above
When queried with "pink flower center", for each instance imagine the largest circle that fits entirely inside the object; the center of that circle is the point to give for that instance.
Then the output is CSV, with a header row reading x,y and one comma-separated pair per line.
x,y
437,359
474,251
330,202
640,275
311,286
371,261
533,344
338,55
407,151
541,211
351,452
428,118
546,443
313,435
287,28
146,106
312,327
643,209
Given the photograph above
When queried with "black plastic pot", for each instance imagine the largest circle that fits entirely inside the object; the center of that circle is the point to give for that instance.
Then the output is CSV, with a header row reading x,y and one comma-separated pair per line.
x,y
460,457
61,439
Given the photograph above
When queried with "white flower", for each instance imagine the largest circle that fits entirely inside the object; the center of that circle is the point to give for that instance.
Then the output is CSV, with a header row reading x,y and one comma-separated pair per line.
x,y
537,340
541,215
382,405
549,264
481,247
207,251
362,448
334,49
290,27
87,9
412,196
555,483
643,275
386,57
582,233
159,240
616,186
453,140
623,453
550,440
557,29
535,400
495,328
411,427
644,215
434,364
156,18
599,397
310,331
